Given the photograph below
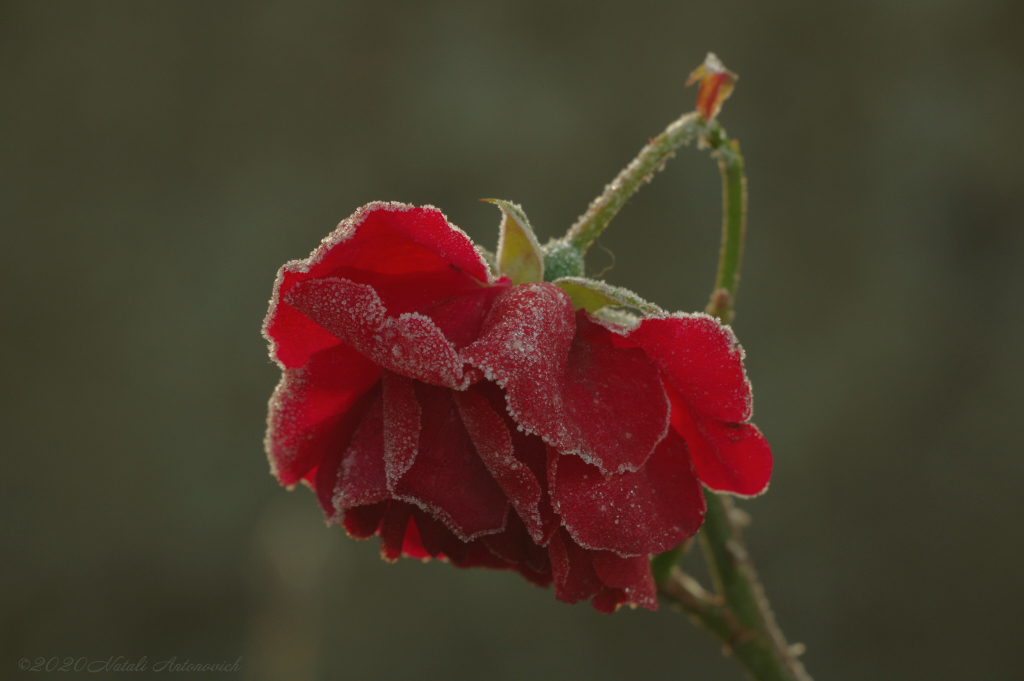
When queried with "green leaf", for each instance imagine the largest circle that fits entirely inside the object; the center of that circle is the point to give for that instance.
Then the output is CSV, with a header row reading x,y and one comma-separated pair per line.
x,y
519,255
591,295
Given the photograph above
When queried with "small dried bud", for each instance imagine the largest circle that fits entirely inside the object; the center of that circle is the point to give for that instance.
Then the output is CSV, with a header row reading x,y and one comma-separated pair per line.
x,y
716,84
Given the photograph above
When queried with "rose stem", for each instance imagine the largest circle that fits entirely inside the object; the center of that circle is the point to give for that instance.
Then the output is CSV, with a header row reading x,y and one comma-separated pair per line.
x,y
651,159
739,614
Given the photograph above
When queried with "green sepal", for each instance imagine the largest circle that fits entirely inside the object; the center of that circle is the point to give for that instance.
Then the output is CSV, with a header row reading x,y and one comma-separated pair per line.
x,y
519,255
489,258
591,295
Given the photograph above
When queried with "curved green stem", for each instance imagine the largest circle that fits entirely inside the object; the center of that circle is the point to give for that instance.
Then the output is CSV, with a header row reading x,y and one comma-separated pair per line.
x,y
734,221
754,652
651,159
739,615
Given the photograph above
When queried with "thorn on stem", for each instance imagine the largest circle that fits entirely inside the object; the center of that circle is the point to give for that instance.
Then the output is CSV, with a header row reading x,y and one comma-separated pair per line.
x,y
738,517
737,551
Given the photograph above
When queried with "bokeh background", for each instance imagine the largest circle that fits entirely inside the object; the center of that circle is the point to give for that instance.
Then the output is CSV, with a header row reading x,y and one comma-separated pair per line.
x,y
160,161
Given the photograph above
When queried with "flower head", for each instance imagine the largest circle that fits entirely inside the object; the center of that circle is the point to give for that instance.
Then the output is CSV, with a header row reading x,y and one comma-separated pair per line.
x,y
500,421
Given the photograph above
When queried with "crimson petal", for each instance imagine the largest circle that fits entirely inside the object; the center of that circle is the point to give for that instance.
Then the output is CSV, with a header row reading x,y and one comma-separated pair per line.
x,y
360,479
393,528
409,344
362,522
401,426
702,360
630,575
615,396
493,444
385,239
569,381
447,478
308,406
632,514
728,457
571,569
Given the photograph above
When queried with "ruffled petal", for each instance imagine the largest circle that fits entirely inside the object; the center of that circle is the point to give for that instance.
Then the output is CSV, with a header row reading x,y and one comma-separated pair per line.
x,y
516,546
447,478
571,569
362,522
360,479
727,457
607,579
307,410
493,444
294,336
428,260
531,451
701,359
631,576
401,426
569,381
409,344
614,395
632,514
393,528
456,303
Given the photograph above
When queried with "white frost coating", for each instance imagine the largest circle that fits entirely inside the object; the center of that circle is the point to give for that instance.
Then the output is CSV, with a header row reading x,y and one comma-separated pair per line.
x,y
616,320
608,294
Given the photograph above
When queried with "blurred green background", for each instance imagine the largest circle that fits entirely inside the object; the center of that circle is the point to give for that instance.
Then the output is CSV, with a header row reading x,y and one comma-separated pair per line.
x,y
159,161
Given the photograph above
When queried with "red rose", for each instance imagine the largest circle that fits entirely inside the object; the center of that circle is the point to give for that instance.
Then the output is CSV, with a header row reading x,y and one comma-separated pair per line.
x,y
457,415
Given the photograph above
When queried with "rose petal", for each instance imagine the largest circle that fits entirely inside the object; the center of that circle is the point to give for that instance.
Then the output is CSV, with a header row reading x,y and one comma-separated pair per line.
x,y
516,546
480,556
307,407
412,544
294,336
702,360
388,239
409,344
360,478
493,444
529,450
608,600
392,530
727,457
630,575
632,514
456,303
569,381
362,522
401,426
571,570
615,396
447,478
434,536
